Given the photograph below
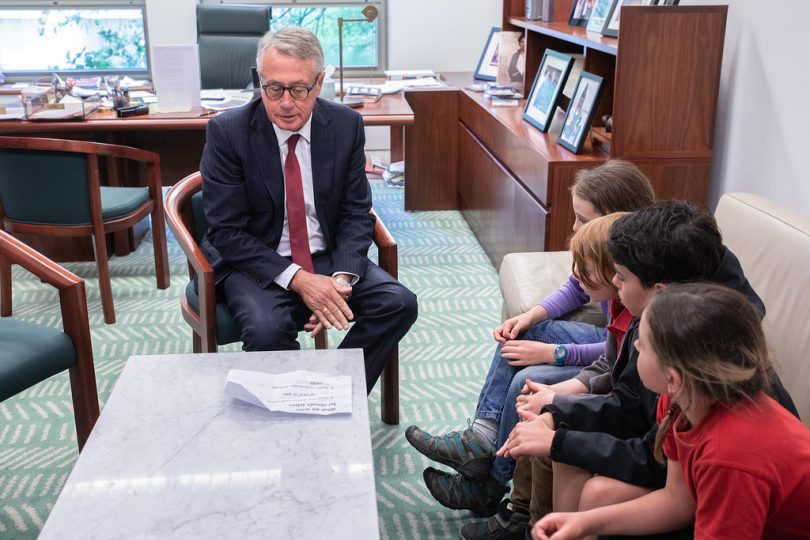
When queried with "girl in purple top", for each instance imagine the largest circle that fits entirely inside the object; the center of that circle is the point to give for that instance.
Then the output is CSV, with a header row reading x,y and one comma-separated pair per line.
x,y
536,345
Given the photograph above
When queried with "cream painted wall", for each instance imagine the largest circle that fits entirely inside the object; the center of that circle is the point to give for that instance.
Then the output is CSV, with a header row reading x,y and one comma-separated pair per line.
x,y
419,36
763,111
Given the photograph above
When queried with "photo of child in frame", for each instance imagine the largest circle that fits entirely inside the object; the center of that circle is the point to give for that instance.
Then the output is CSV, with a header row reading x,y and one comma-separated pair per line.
x,y
580,111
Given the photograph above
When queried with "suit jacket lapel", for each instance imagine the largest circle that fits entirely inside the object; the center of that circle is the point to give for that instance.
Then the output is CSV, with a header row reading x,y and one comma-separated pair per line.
x,y
322,151
265,147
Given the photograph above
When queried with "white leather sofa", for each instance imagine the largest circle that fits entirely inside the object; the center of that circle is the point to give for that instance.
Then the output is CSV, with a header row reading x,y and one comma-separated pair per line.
x,y
773,245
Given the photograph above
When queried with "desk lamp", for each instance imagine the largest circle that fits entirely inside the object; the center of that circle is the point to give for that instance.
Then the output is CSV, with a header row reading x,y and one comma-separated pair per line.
x,y
370,13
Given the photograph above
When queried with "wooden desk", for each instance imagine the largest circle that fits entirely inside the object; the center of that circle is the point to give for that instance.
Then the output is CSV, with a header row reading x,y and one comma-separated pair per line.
x,y
179,138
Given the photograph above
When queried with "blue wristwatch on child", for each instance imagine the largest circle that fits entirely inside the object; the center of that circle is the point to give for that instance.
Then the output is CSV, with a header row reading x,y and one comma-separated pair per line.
x,y
560,352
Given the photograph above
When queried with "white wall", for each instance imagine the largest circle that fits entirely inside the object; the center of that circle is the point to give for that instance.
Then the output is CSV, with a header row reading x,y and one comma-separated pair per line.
x,y
763,110
419,36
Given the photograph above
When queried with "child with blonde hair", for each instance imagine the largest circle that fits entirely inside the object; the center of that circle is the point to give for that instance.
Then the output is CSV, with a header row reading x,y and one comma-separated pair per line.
x,y
738,463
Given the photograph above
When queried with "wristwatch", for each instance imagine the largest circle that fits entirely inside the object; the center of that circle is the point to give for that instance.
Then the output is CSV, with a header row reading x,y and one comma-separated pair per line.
x,y
342,282
560,352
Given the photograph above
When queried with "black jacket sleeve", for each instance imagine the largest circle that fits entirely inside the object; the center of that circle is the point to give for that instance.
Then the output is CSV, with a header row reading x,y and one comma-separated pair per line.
x,y
630,460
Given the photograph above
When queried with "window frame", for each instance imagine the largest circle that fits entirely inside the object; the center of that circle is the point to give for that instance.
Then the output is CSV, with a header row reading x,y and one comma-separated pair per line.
x,y
382,27
15,76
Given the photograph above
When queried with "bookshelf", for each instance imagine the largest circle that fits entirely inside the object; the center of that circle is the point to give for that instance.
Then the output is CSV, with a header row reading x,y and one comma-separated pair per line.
x,y
511,181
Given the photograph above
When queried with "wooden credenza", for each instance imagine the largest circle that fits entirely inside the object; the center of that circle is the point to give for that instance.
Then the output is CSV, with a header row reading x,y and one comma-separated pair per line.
x,y
512,182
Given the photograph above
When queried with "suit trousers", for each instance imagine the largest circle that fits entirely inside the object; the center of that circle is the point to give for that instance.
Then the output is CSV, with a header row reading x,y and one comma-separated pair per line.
x,y
270,318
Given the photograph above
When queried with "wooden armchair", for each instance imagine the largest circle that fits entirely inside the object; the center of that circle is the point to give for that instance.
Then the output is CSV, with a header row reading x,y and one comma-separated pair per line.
x,y
211,322
30,353
52,187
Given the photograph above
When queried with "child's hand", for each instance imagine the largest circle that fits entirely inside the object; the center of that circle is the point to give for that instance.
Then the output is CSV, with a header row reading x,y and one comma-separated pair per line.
x,y
535,396
559,526
532,438
521,352
512,328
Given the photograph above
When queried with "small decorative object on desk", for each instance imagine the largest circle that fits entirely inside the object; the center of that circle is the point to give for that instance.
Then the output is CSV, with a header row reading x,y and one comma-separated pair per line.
x,y
38,107
487,69
369,94
548,85
501,91
580,111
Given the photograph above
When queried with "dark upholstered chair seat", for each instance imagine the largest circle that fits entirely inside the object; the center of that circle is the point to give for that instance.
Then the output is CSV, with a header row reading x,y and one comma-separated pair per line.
x,y
227,329
119,201
52,187
30,353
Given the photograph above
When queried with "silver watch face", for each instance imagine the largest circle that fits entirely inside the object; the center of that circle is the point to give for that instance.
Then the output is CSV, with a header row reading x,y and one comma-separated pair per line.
x,y
342,282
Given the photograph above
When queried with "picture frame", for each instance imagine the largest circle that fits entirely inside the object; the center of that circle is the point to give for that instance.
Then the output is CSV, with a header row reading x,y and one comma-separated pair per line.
x,y
611,28
487,69
577,121
511,59
600,15
548,85
581,12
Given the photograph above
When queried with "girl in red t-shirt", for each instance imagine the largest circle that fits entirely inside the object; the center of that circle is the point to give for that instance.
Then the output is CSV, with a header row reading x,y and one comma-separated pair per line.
x,y
738,463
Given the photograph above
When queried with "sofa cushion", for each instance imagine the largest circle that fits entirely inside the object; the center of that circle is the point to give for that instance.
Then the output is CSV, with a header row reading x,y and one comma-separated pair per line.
x,y
527,278
773,245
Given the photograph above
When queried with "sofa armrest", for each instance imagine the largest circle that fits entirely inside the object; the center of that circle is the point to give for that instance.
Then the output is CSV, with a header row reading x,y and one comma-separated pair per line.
x,y
527,278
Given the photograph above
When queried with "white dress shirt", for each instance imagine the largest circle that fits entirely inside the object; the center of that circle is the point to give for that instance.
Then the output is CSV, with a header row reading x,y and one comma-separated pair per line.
x,y
303,151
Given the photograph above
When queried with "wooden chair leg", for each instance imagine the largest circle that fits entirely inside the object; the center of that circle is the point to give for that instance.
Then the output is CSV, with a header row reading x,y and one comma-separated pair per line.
x,y
5,286
196,342
322,340
104,286
389,409
161,251
85,400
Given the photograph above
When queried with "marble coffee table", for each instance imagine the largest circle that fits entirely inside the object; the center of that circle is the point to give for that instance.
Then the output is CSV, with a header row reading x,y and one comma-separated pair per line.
x,y
173,457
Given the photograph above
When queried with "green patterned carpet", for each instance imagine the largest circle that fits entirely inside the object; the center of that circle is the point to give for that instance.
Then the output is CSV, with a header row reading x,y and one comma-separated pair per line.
x,y
443,361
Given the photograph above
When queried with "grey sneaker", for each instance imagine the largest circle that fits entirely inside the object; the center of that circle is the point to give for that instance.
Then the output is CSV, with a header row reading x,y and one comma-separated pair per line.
x,y
465,451
508,524
461,493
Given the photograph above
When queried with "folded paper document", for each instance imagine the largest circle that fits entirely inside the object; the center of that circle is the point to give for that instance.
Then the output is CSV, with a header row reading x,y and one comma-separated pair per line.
x,y
297,392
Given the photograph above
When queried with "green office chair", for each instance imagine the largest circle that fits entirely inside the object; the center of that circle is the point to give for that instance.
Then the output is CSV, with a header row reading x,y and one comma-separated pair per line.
x,y
30,353
227,36
211,321
52,187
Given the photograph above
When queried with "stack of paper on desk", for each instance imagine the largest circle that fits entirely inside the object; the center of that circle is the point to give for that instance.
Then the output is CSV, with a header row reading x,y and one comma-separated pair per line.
x,y
297,392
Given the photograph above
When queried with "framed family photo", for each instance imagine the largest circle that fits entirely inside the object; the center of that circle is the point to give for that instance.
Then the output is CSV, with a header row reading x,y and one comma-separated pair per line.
x,y
577,122
611,27
599,15
487,69
548,85
581,12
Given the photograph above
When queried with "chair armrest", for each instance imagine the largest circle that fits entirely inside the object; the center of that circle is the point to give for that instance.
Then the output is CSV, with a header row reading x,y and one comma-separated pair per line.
x,y
386,246
36,263
81,147
72,297
177,200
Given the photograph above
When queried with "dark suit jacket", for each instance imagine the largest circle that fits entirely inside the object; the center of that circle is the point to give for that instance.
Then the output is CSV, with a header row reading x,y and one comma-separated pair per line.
x,y
243,191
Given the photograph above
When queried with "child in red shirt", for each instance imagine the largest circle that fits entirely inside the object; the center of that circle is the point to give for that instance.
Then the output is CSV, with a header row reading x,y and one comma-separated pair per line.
x,y
738,463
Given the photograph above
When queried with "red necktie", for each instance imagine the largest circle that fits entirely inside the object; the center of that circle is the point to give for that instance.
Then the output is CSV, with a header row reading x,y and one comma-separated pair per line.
x,y
296,212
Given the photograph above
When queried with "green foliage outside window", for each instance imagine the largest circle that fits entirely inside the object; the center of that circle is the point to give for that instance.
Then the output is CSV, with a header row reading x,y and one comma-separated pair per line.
x,y
359,38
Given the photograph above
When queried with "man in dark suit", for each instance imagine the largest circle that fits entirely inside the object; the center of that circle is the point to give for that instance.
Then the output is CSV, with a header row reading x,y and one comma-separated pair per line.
x,y
287,202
